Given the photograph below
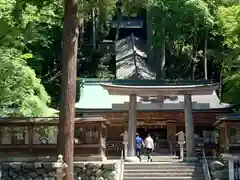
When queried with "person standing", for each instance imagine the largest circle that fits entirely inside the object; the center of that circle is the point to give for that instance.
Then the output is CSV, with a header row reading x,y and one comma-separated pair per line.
x,y
139,144
149,144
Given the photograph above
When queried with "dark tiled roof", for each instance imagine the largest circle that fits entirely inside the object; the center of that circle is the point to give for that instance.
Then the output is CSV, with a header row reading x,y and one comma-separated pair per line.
x,y
131,60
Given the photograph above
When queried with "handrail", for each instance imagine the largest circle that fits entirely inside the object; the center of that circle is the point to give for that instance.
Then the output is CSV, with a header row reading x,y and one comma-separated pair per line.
x,y
170,147
205,167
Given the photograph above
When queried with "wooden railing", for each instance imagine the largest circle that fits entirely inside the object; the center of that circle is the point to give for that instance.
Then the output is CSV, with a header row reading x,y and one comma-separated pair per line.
x,y
114,147
44,149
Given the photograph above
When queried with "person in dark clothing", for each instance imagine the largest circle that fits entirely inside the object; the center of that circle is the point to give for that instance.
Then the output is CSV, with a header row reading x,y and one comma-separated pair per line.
x,y
139,144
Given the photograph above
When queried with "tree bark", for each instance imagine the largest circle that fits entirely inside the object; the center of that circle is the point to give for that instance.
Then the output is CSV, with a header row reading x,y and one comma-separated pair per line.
x,y
205,54
163,58
195,48
149,39
119,19
93,28
68,86
161,61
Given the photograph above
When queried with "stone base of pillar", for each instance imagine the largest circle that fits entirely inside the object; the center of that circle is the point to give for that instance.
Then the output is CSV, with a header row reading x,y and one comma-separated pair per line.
x,y
190,159
132,159
104,158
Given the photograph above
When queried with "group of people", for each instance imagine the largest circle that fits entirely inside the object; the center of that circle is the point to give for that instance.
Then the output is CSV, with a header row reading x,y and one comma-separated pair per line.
x,y
148,144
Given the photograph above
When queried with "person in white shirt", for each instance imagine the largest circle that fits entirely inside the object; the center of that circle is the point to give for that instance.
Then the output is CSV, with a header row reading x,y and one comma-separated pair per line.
x,y
149,144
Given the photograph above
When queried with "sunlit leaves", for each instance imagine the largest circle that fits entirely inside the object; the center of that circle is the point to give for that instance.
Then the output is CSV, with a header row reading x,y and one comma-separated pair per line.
x,y
232,88
19,87
230,25
200,10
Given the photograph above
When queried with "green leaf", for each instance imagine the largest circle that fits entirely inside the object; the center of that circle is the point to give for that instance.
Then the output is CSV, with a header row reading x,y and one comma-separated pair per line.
x,y
27,56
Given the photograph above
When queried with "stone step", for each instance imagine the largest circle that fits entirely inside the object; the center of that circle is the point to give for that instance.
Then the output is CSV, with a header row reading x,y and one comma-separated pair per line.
x,y
162,158
160,166
163,174
164,178
162,163
159,160
162,170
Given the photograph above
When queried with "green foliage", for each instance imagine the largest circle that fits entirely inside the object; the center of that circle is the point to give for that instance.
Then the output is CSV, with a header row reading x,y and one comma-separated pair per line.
x,y
133,7
232,88
20,89
31,37
18,132
179,17
229,23
47,133
229,18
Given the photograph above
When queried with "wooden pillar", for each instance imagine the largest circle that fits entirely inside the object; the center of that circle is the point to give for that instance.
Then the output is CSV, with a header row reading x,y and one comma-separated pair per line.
x,y
30,137
171,130
226,137
222,137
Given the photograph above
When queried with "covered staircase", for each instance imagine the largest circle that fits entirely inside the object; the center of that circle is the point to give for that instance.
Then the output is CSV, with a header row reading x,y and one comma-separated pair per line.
x,y
172,170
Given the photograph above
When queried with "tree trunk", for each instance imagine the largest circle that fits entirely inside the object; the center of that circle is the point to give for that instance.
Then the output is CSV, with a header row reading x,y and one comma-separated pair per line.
x,y
161,61
119,19
163,58
205,54
195,48
194,68
68,86
149,39
93,29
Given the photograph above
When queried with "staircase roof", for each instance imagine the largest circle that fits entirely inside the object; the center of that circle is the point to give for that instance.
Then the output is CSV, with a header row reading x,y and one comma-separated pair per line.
x,y
131,59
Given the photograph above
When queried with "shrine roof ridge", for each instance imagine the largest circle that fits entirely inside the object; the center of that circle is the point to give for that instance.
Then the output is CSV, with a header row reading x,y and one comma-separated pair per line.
x,y
150,83
162,83
95,80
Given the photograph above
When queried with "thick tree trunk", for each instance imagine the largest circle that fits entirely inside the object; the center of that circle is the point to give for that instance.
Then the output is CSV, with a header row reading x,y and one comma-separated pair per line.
x,y
68,86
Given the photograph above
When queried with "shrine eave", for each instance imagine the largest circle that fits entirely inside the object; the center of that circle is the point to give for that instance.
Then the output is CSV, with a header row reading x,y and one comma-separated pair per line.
x,y
50,120
155,88
233,117
229,116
